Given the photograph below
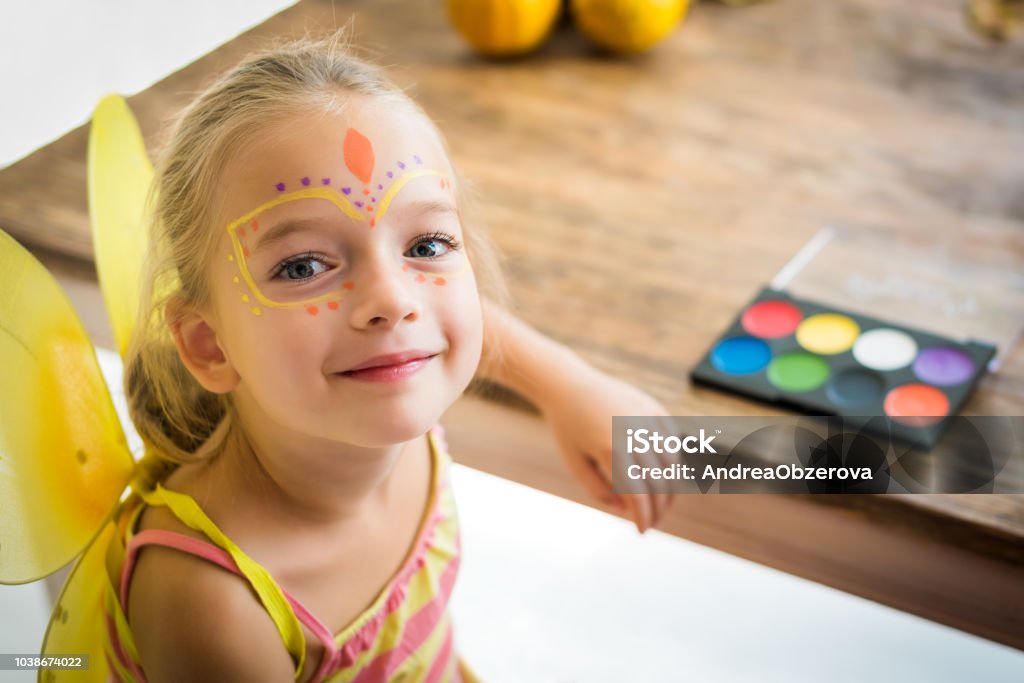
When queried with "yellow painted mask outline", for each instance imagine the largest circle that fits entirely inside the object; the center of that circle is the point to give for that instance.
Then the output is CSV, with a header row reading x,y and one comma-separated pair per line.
x,y
345,205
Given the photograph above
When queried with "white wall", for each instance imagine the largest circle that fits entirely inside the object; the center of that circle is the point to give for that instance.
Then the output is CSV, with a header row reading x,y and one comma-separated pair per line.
x,y
58,58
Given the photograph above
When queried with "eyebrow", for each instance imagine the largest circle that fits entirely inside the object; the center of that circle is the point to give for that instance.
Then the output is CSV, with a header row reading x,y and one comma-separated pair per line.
x,y
280,231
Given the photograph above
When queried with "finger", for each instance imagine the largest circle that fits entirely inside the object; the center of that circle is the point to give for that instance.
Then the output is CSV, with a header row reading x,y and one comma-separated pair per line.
x,y
640,509
588,474
660,505
655,491
669,425
661,489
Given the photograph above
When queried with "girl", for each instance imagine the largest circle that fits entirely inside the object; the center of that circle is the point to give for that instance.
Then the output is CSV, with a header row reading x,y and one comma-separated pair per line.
x,y
311,311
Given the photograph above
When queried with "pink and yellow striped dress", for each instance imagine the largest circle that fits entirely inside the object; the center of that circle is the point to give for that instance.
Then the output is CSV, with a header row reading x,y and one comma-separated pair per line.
x,y
405,635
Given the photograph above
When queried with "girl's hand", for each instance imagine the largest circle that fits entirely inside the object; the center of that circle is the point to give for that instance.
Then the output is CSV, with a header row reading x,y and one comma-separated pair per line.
x,y
580,409
579,401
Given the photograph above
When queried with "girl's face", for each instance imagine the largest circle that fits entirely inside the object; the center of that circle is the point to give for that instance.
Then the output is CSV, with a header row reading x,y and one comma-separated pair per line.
x,y
343,297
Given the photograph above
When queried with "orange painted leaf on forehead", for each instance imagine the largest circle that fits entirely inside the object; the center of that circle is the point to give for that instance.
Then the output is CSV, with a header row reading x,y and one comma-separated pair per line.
x,y
359,155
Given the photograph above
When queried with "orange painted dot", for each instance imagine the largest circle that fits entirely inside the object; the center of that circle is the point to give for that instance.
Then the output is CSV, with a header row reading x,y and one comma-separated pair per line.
x,y
370,209
439,281
255,226
245,251
312,310
333,305
421,278
241,232
373,221
349,285
366,191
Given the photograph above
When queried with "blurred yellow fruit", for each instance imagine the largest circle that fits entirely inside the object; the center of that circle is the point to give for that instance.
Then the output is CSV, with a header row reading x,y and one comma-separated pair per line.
x,y
996,19
503,28
627,26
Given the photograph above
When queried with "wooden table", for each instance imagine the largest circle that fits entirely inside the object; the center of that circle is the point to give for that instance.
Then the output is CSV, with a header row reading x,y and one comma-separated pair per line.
x,y
640,202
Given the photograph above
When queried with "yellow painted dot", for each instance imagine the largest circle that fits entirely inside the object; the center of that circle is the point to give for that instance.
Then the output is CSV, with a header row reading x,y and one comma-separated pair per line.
x,y
245,298
827,333
235,279
231,258
255,310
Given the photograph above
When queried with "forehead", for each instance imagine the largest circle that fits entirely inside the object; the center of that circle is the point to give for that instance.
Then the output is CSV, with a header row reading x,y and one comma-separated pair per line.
x,y
365,146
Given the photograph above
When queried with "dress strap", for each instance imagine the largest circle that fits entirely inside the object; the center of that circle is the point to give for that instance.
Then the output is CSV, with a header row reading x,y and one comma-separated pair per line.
x,y
436,437
170,539
270,594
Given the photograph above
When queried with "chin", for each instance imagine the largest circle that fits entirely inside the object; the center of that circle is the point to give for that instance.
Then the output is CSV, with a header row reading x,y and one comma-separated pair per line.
x,y
387,428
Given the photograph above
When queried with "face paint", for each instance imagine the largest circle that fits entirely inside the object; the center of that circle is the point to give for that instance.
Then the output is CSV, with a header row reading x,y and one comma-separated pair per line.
x,y
358,204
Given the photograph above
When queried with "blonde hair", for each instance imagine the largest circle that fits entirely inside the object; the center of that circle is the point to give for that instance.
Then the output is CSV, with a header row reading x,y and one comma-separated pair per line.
x,y
173,413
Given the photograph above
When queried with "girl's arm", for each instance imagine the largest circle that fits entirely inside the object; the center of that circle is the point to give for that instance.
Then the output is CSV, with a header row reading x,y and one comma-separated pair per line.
x,y
578,400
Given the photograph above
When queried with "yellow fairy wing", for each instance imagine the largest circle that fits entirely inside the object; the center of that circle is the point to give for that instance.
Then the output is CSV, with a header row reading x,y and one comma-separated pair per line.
x,y
76,626
119,173
64,460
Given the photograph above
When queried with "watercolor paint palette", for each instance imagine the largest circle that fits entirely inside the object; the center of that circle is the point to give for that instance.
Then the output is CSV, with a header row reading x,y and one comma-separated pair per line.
x,y
822,360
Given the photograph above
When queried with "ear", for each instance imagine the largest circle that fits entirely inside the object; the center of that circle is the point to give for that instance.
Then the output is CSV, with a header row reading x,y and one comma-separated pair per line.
x,y
200,349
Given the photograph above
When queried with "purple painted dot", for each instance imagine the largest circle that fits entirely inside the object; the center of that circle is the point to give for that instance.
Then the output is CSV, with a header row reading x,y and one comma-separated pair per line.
x,y
380,187
280,187
401,165
325,181
359,204
416,158
347,190
305,181
943,366
390,174
373,199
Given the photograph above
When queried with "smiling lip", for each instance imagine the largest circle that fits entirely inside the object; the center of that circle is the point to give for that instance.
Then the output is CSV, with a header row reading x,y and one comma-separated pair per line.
x,y
393,367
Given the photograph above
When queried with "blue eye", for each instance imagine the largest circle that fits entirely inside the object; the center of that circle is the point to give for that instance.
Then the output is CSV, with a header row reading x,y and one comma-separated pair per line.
x,y
433,246
300,268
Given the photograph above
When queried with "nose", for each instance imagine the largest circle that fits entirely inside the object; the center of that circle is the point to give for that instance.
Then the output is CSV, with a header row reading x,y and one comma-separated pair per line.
x,y
383,295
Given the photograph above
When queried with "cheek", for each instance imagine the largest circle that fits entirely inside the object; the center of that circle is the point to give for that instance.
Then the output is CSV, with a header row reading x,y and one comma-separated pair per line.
x,y
274,347
459,302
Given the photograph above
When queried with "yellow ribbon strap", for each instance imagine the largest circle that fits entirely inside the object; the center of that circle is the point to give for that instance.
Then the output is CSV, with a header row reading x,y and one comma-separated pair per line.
x,y
189,512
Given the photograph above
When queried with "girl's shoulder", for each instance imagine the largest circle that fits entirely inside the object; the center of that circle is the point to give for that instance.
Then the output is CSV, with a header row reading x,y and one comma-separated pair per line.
x,y
181,602
179,606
